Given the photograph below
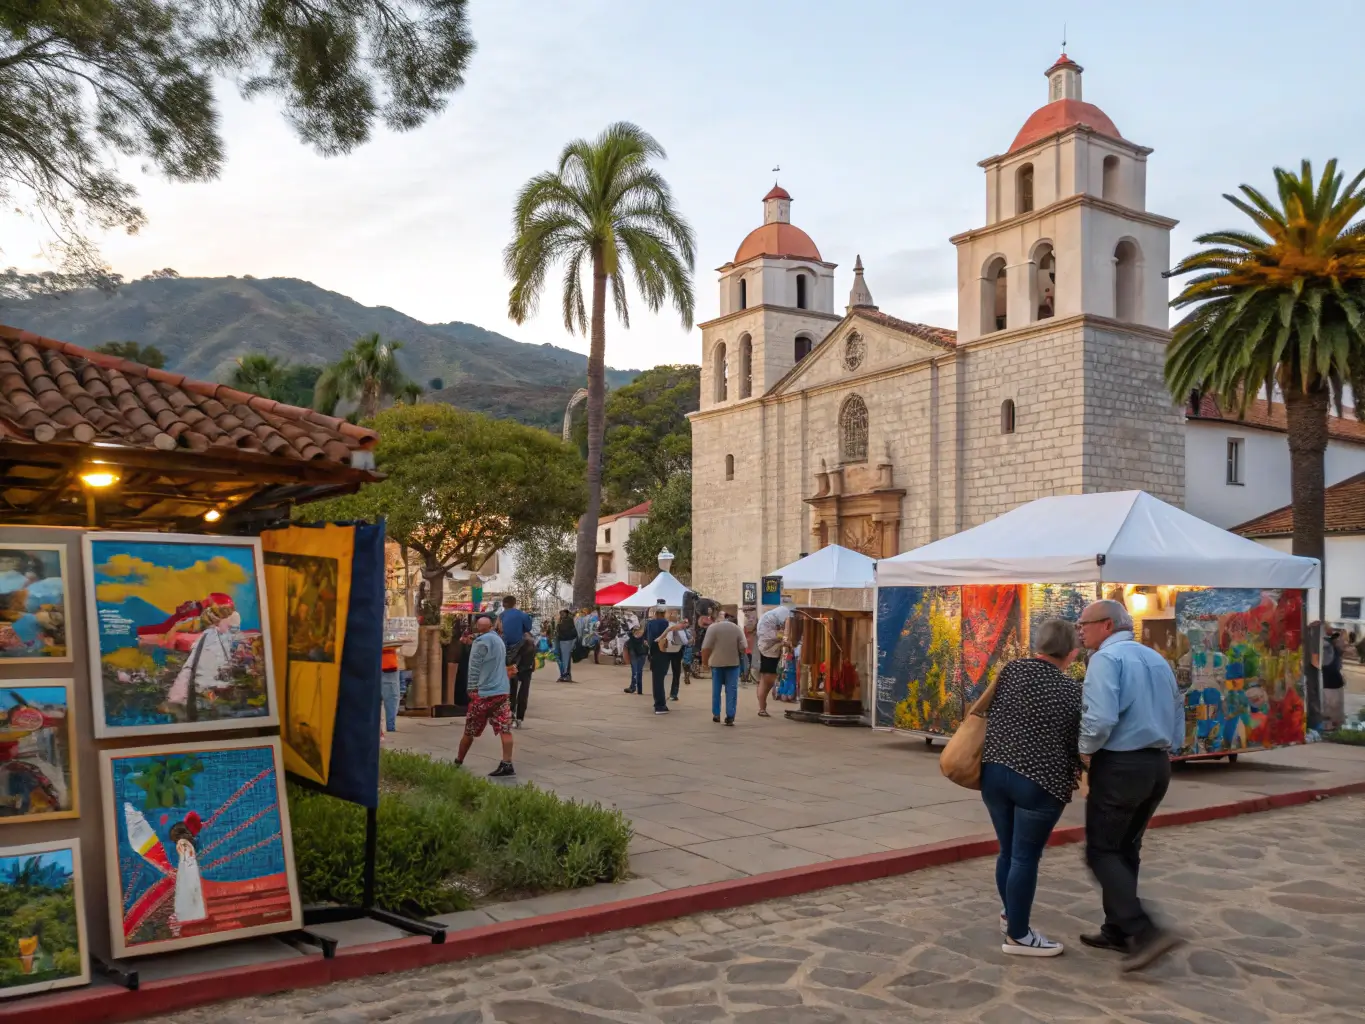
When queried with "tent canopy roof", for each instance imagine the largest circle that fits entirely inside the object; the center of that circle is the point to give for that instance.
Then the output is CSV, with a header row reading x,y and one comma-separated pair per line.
x,y
832,567
666,586
1115,537
616,592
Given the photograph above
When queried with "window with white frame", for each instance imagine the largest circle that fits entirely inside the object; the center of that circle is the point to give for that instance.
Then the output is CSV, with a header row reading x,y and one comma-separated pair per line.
x,y
1236,465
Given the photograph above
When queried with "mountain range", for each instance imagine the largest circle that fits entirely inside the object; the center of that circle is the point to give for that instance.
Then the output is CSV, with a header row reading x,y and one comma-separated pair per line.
x,y
203,324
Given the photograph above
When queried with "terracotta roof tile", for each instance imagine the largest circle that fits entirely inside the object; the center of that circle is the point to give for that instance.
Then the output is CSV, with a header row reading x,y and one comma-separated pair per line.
x,y
1060,115
55,391
1345,512
639,510
937,335
1271,416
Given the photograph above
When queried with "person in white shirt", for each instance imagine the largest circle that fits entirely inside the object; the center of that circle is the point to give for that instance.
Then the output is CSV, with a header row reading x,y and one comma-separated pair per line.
x,y
772,627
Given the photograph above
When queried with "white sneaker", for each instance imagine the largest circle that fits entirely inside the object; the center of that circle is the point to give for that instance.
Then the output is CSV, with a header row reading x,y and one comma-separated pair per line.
x,y
1032,944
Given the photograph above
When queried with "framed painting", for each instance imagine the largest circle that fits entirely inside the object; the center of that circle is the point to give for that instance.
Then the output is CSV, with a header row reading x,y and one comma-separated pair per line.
x,y
33,596
42,919
37,751
179,635
197,845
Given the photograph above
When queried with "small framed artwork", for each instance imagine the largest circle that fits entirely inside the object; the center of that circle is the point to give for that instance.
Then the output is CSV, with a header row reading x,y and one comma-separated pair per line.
x,y
33,596
37,751
197,843
179,635
42,919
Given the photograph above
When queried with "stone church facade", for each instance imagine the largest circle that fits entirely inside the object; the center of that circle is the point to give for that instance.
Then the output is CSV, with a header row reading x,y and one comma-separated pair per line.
x,y
880,434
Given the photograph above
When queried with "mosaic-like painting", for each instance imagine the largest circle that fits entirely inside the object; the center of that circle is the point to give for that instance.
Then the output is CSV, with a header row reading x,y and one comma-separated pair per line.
x,y
37,751
992,635
42,920
1239,661
33,604
919,654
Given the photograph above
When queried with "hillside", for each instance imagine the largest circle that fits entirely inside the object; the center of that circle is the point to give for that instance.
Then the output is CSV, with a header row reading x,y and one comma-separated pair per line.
x,y
203,324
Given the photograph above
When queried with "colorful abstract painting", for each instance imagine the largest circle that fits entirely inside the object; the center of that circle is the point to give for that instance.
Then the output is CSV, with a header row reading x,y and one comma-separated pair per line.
x,y
1240,667
42,919
33,603
919,651
37,751
178,637
992,634
198,845
308,586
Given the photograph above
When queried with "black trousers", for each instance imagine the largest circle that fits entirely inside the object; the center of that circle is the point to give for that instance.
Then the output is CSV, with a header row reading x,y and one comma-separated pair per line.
x,y
1126,787
521,692
658,670
675,660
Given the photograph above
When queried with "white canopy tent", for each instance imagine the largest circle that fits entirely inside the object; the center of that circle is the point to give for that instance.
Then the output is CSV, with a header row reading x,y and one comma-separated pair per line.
x,y
665,586
831,568
1116,537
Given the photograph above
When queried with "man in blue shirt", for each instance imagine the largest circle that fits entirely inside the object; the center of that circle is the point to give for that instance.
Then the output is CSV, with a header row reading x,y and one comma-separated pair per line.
x,y
488,696
516,627
655,631
1132,720
513,623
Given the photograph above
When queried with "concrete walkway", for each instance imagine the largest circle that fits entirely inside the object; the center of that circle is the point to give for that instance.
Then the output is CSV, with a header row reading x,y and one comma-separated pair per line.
x,y
1270,903
710,803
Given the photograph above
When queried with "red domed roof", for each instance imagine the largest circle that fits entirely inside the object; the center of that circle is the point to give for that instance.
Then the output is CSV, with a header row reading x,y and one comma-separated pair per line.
x,y
777,192
1060,114
777,239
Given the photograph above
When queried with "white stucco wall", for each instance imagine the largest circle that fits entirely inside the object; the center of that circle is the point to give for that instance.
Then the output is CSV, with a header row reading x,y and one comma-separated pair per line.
x,y
1265,471
1344,571
611,539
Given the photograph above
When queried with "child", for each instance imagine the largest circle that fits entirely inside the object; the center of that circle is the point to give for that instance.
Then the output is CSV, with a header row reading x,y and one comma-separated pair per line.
x,y
637,648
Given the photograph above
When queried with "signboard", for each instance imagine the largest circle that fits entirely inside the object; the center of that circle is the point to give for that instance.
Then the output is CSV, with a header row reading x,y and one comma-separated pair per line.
x,y
750,594
1350,607
402,628
772,589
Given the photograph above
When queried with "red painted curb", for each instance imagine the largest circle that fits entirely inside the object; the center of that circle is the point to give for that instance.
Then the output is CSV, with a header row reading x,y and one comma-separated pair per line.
x,y
105,1005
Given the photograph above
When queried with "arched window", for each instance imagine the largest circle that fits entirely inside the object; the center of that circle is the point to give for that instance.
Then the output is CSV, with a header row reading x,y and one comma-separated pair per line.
x,y
718,370
803,347
746,367
1007,416
1043,287
994,297
1110,187
743,294
800,291
853,430
1023,189
1126,258
729,467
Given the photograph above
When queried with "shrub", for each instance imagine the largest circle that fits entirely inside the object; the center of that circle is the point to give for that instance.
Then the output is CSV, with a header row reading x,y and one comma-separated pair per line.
x,y
444,833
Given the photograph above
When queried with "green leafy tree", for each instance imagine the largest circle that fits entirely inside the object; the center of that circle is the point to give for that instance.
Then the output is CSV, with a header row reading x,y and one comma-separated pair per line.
x,y
147,355
545,562
367,374
257,374
460,486
1282,309
606,211
669,526
85,82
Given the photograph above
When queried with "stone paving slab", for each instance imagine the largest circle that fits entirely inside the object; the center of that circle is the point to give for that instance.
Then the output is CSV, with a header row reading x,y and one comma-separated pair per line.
x,y
1272,905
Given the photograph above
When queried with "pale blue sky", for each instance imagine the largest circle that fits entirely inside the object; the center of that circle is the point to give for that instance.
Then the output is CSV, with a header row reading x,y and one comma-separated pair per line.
x,y
877,111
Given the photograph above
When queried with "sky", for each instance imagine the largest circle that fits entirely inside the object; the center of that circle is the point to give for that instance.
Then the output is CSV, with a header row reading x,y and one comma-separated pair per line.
x,y
876,112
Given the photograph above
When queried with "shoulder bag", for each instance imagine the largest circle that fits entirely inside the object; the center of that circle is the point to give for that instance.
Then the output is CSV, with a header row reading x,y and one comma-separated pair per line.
x,y
960,761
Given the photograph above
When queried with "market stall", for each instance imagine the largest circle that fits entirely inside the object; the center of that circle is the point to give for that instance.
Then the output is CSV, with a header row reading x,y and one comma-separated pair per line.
x,y
1227,613
665,591
831,592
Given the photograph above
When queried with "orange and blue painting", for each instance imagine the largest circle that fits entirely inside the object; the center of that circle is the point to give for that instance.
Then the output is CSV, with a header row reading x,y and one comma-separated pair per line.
x,y
201,848
1240,667
178,639
33,603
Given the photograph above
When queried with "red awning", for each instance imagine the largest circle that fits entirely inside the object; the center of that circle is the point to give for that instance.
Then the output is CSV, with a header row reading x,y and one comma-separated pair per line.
x,y
615,592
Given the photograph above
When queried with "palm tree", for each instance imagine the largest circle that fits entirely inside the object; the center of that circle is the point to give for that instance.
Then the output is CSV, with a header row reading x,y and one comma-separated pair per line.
x,y
258,374
604,207
410,393
367,374
1282,312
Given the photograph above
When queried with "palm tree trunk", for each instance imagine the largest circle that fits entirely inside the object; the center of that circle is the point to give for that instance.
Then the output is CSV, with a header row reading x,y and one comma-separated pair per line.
x,y
585,560
1306,413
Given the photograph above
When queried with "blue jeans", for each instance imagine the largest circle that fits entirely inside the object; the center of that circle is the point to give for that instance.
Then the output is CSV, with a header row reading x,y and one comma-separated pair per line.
x,y
564,655
388,693
637,673
1023,814
728,680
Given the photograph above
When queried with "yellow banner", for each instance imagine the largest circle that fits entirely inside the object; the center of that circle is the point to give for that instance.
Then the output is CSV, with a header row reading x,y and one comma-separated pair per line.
x,y
308,591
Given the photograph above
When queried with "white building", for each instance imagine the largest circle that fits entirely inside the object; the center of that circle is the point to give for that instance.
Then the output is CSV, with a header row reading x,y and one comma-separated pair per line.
x,y
612,531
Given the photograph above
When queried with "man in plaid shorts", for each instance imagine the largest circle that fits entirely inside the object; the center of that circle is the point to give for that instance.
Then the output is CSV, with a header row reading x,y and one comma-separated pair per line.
x,y
489,696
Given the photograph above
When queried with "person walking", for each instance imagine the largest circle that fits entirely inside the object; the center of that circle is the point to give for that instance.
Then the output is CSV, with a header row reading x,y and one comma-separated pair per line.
x,y
656,635
513,623
521,660
679,639
389,686
1029,769
489,691
1132,717
722,650
1333,682
566,635
637,650
771,627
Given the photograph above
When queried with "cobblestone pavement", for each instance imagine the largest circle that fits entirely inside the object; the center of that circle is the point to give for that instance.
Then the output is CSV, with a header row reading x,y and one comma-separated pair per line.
x,y
1272,904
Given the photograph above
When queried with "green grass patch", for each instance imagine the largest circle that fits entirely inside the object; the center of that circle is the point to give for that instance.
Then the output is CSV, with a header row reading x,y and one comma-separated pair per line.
x,y
447,838
1350,737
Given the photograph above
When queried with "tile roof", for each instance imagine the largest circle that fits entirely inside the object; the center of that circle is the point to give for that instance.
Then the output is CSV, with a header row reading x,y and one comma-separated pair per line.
x,y
55,392
639,511
1271,416
777,240
1345,512
1058,116
937,335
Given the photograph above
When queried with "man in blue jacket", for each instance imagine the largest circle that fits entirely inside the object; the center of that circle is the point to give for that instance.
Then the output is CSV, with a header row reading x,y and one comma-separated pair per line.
x,y
488,696
1132,720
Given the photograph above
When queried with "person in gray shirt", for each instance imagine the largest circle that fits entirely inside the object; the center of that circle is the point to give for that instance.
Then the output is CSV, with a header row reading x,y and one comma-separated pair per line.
x,y
489,696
